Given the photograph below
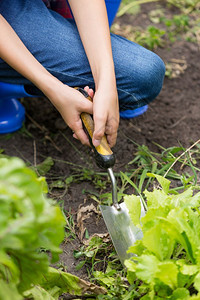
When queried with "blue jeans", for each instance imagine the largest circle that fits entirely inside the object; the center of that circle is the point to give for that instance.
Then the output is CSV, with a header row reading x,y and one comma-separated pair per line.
x,y
56,44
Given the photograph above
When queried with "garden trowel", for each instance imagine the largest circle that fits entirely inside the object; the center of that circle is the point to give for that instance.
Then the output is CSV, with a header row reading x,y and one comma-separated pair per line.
x,y
120,227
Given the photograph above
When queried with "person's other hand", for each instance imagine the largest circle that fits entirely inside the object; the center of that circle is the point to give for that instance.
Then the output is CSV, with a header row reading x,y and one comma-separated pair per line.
x,y
106,116
91,94
71,103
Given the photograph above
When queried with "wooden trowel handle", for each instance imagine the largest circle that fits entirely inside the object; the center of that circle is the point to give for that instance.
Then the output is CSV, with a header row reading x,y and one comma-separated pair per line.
x,y
104,156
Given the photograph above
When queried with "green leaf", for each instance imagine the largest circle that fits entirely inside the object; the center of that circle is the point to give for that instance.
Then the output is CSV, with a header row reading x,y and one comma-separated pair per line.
x,y
106,278
131,277
195,297
32,266
131,265
134,206
159,242
184,199
189,236
45,166
6,263
156,198
9,291
180,293
167,272
59,184
165,183
189,269
197,282
68,283
69,180
80,264
154,216
38,293
138,248
147,267
43,184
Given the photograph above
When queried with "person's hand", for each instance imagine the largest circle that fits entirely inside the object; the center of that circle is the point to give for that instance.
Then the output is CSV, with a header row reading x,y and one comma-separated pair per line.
x,y
105,115
71,103
91,94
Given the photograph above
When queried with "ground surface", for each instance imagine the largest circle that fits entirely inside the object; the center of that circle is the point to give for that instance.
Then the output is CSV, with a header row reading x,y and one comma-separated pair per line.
x,y
172,119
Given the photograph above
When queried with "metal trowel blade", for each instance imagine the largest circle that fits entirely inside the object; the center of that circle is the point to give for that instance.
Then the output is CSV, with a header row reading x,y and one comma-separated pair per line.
x,y
121,229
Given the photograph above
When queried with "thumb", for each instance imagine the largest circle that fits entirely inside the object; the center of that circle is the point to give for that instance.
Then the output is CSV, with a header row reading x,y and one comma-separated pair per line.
x,y
86,106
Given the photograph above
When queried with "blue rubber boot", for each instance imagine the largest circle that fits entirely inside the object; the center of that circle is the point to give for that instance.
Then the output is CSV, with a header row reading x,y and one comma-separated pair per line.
x,y
12,112
130,114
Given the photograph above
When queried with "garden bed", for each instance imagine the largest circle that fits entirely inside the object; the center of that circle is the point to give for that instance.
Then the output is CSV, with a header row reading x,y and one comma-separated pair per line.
x,y
171,120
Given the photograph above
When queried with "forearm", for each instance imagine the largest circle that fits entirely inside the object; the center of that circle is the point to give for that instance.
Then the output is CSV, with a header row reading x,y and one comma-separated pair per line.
x,y
92,23
14,53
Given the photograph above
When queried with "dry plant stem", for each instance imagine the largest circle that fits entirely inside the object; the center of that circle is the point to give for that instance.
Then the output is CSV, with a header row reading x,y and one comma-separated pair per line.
x,y
177,122
35,157
177,159
130,5
44,130
22,156
35,154
74,147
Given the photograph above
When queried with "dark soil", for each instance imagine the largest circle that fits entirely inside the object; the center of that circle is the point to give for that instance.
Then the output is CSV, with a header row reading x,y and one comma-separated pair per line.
x,y
172,119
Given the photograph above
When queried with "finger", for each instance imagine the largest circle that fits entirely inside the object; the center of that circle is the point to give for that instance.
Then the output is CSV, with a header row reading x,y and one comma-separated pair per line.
x,y
112,138
75,136
111,130
86,88
99,129
89,91
80,133
85,106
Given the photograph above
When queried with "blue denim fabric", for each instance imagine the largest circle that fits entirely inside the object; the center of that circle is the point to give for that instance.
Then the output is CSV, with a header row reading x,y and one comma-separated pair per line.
x,y
56,44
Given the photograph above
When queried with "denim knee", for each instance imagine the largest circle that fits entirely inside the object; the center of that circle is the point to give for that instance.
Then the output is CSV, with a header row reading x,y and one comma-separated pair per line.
x,y
151,80
141,79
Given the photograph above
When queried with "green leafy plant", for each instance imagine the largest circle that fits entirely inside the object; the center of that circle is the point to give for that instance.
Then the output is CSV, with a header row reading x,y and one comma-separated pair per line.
x,y
31,227
152,38
28,222
167,259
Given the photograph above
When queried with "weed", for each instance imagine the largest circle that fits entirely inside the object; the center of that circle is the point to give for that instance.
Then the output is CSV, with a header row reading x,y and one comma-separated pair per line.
x,y
194,34
70,230
146,161
151,38
25,132
96,252
180,26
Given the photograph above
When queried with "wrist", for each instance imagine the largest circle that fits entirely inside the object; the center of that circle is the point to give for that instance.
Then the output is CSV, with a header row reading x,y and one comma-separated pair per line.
x,y
49,85
107,86
105,81
103,71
